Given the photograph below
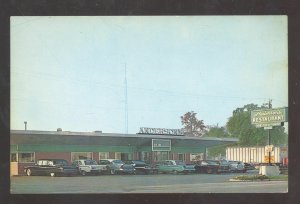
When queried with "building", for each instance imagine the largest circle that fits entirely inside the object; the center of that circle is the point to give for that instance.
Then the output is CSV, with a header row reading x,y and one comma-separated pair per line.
x,y
27,146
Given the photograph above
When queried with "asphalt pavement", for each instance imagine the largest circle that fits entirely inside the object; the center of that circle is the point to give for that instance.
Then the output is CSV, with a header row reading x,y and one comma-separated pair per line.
x,y
156,183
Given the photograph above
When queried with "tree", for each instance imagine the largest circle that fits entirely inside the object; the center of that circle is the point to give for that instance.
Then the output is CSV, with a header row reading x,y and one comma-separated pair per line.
x,y
239,126
216,131
192,126
219,132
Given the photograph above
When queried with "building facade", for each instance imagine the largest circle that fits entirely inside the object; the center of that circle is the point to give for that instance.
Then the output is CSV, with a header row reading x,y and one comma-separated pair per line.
x,y
28,146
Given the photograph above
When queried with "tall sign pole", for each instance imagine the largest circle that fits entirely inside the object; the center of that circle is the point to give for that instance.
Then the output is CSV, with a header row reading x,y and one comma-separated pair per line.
x,y
268,118
269,137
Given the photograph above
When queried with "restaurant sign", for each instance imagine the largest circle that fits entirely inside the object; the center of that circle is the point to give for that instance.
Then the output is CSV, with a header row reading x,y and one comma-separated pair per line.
x,y
161,145
160,131
269,117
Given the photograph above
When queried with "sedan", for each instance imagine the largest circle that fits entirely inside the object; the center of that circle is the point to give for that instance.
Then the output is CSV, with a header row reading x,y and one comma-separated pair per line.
x,y
207,166
116,166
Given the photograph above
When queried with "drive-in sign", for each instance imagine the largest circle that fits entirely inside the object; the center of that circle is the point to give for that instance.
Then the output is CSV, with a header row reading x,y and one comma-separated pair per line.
x,y
269,117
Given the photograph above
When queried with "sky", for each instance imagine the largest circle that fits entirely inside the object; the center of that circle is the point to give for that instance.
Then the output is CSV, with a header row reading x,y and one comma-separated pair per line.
x,y
69,72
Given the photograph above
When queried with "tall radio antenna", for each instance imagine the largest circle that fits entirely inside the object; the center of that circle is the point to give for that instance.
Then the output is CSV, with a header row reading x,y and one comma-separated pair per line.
x,y
126,103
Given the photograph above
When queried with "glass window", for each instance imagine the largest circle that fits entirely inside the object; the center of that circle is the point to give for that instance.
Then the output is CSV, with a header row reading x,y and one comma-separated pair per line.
x,y
160,156
13,157
90,162
26,157
81,155
103,155
181,157
117,155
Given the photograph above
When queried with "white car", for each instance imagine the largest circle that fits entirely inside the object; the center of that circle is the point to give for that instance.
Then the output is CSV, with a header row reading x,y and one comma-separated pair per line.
x,y
89,166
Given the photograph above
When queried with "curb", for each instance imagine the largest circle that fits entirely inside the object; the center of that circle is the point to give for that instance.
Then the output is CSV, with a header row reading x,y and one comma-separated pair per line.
x,y
237,180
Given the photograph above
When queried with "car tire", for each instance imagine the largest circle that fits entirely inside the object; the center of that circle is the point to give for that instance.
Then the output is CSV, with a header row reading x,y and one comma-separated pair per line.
x,y
112,172
28,172
52,174
83,173
175,172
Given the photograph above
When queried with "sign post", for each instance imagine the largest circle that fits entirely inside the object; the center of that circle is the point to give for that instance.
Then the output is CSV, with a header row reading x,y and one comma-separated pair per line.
x,y
267,118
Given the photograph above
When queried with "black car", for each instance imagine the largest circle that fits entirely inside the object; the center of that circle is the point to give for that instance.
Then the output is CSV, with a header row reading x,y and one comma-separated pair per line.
x,y
142,167
249,166
51,167
207,166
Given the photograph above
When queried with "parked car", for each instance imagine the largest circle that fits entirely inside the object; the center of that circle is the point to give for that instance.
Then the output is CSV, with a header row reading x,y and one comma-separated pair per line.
x,y
174,166
116,166
51,167
207,166
142,166
249,166
237,166
224,166
88,166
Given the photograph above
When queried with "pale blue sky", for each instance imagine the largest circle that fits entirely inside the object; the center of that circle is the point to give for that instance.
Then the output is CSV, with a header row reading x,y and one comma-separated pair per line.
x,y
68,72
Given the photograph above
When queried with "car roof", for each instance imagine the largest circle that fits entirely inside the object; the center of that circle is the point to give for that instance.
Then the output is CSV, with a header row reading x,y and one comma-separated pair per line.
x,y
51,160
110,160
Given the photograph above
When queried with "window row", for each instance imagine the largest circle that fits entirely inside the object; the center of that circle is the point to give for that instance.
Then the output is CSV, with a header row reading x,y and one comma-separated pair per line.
x,y
29,157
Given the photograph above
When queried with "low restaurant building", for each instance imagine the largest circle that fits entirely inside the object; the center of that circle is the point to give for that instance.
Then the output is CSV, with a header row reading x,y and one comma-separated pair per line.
x,y
150,144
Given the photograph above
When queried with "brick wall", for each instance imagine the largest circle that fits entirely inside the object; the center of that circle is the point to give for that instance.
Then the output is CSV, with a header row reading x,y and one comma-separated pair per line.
x,y
95,156
187,158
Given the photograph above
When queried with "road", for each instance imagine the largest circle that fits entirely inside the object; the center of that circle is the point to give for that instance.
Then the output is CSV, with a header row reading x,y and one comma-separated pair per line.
x,y
162,183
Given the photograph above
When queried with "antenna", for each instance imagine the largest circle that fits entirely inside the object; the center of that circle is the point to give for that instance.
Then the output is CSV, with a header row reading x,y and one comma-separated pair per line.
x,y
126,103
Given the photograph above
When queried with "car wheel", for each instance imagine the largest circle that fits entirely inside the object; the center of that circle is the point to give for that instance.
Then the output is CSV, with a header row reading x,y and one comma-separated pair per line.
x,y
83,173
52,174
28,172
112,172
175,172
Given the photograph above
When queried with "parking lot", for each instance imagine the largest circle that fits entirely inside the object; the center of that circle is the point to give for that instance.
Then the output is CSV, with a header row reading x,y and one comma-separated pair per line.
x,y
153,183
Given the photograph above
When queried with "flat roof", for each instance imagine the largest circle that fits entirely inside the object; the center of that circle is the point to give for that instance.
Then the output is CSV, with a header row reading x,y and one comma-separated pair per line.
x,y
68,137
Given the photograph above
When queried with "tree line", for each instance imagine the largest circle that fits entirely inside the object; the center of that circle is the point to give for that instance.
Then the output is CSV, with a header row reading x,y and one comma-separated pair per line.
x,y
238,126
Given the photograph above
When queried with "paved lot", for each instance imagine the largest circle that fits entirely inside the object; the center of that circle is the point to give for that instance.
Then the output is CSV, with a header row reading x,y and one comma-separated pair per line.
x,y
162,183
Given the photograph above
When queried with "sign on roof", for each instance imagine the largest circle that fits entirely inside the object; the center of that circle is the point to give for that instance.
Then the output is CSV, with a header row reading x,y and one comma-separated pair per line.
x,y
269,117
160,131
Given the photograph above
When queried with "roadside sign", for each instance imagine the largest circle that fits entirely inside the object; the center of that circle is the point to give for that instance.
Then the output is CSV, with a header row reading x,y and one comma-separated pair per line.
x,y
269,148
272,159
269,117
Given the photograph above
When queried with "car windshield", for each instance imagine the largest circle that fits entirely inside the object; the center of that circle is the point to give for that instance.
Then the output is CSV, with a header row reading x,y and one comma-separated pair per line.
x,y
118,162
180,163
90,162
211,162
139,162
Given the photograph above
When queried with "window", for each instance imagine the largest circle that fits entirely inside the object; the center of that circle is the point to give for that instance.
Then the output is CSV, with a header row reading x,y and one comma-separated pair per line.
x,y
26,157
13,157
81,155
181,157
117,155
160,156
103,155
